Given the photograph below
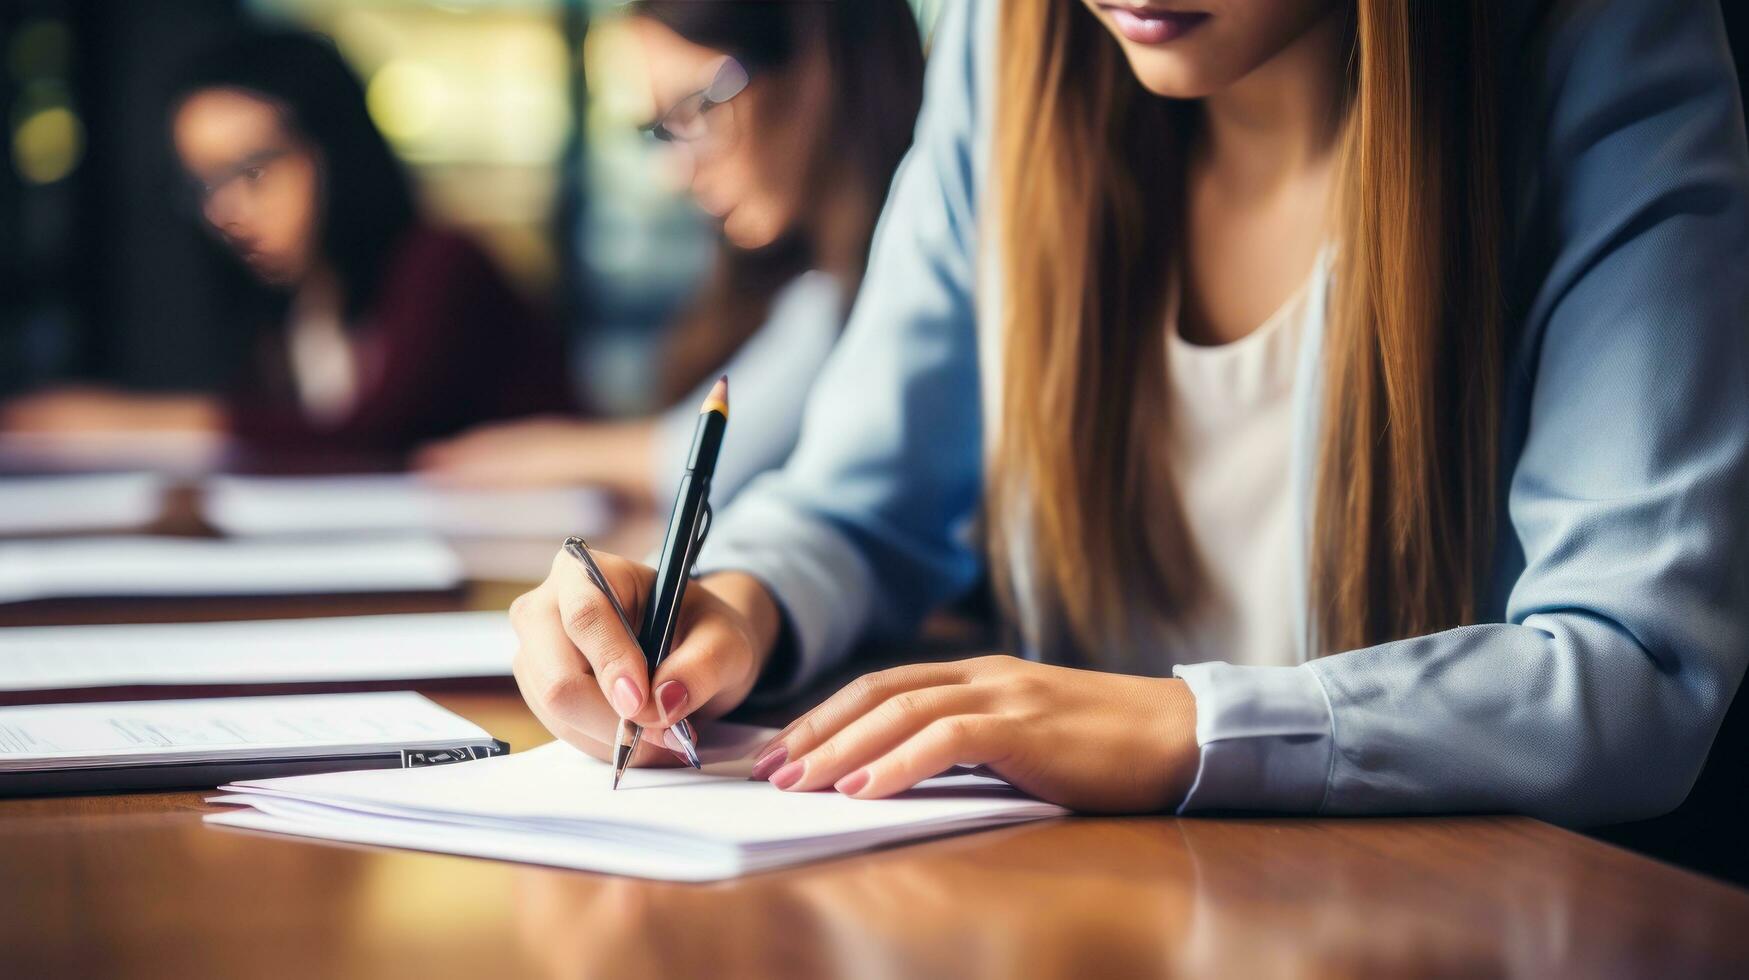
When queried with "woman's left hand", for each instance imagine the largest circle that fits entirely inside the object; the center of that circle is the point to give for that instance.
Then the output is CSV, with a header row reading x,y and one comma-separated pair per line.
x,y
544,452
1090,741
80,408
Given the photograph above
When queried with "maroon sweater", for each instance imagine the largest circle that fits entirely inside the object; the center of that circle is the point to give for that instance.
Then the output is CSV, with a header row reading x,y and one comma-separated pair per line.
x,y
444,345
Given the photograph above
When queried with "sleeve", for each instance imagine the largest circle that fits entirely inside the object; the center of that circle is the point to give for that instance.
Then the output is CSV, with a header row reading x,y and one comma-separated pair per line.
x,y
1624,637
862,529
769,378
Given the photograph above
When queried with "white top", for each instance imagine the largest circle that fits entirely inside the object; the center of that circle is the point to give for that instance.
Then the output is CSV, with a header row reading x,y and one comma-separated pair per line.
x,y
324,367
1231,415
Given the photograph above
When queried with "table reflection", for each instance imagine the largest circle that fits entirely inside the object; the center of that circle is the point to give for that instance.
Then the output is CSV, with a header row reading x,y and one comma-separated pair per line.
x,y
1113,898
136,886
998,904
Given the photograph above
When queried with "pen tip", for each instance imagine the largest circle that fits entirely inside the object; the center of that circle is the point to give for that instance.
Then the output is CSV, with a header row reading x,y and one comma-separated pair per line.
x,y
687,739
718,399
622,756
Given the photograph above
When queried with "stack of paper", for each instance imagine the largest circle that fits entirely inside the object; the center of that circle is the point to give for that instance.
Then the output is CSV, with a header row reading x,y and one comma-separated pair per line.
x,y
397,502
290,651
93,502
66,747
552,805
165,566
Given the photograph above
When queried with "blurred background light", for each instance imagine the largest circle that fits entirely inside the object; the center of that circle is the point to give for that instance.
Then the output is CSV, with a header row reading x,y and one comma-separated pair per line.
x,y
47,145
406,98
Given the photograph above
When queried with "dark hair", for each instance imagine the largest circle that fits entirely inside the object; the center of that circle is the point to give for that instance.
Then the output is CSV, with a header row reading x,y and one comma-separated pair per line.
x,y
874,59
366,203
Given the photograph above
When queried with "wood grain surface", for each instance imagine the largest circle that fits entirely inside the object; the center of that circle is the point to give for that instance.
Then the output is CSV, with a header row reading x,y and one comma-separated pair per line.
x,y
137,886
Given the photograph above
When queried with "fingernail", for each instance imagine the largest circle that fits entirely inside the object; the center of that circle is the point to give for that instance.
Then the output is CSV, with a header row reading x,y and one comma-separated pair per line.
x,y
769,762
626,699
787,776
673,744
852,784
672,697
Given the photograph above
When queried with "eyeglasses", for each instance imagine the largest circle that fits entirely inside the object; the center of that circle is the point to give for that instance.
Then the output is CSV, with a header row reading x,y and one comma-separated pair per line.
x,y
685,122
238,182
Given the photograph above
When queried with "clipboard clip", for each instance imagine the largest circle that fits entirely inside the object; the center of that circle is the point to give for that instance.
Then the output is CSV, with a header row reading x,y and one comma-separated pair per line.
x,y
420,758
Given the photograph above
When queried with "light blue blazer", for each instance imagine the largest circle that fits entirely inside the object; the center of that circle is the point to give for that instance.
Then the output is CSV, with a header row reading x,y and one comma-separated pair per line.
x,y
1615,635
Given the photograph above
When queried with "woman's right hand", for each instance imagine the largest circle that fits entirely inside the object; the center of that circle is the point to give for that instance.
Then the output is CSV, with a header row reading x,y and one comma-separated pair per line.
x,y
580,672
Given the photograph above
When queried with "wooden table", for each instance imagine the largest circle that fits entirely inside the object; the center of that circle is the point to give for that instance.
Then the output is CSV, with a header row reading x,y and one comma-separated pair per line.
x,y
137,886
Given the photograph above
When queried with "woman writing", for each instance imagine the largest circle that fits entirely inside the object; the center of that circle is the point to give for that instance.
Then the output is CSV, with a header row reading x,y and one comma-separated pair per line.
x,y
375,331
791,118
1376,367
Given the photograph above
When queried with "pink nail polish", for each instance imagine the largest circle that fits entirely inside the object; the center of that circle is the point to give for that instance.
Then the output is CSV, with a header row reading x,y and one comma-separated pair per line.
x,y
626,699
787,776
852,784
769,762
672,697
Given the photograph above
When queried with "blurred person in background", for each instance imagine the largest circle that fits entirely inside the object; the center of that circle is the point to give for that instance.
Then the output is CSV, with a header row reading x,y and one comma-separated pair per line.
x,y
791,119
376,330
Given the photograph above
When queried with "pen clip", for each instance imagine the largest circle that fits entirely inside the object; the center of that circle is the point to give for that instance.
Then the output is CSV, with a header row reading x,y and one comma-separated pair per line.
x,y
702,529
704,526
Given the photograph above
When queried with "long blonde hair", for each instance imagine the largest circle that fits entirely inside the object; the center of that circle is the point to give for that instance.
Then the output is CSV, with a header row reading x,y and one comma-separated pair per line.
x,y
1089,172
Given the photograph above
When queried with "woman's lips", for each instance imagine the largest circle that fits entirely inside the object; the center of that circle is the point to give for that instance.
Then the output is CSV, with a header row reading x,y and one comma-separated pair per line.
x,y
1152,25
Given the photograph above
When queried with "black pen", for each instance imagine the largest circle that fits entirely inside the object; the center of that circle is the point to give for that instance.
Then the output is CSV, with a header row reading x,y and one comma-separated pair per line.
x,y
687,526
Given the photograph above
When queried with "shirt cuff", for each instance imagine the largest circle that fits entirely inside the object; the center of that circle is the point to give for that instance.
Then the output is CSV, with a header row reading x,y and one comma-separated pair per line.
x,y
1265,738
822,585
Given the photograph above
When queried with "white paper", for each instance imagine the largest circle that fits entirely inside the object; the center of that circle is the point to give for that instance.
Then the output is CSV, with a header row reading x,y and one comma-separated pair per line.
x,y
288,651
245,505
182,453
57,736
167,566
90,502
553,805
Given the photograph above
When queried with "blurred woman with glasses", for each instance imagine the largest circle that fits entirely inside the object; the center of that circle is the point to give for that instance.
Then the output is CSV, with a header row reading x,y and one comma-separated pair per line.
x,y
791,119
376,330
